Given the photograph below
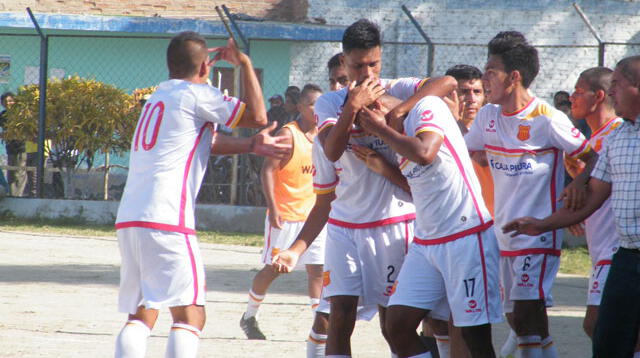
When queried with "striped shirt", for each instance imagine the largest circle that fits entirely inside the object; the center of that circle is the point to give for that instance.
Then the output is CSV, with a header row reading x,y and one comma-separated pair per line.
x,y
619,164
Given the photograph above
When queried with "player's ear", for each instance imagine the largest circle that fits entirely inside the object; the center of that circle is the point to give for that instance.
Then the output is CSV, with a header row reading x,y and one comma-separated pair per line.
x,y
601,96
202,71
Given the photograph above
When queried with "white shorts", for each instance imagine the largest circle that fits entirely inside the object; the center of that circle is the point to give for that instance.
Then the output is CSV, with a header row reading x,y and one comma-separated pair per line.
x,y
365,262
598,277
460,275
527,277
159,269
276,240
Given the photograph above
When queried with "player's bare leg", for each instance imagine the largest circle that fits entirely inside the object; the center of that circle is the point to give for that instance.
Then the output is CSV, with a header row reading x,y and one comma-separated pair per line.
x,y
341,323
530,324
458,346
184,337
317,341
132,340
400,325
314,284
478,339
259,287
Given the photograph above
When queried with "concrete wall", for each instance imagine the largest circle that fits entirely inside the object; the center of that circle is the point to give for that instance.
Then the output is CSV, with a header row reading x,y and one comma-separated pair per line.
x,y
208,217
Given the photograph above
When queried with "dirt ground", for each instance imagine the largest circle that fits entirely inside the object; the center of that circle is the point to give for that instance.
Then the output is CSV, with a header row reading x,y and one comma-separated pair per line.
x,y
58,299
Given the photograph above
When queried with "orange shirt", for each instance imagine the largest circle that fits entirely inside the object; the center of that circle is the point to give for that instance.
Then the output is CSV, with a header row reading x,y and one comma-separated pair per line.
x,y
294,196
486,184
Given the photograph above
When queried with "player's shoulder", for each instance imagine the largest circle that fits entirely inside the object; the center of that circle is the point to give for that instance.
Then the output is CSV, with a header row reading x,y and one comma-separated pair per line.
x,y
331,100
541,110
489,110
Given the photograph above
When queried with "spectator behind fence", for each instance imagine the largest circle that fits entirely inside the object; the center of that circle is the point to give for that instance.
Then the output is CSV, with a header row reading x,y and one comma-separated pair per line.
x,y
16,155
561,102
276,112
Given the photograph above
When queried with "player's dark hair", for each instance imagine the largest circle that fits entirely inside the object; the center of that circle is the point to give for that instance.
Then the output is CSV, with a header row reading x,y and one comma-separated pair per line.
x,y
333,62
309,88
362,34
516,55
598,78
464,72
630,69
184,54
293,92
3,98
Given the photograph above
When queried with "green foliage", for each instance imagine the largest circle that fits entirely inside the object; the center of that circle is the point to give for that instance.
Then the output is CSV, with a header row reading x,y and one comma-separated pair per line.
x,y
83,116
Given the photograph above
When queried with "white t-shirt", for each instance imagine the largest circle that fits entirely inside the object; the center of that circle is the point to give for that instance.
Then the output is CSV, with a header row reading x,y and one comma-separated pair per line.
x,y
524,150
363,198
446,193
169,154
602,236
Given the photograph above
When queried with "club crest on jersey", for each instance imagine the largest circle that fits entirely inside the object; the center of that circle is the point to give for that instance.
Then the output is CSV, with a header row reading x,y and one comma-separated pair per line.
x,y
524,132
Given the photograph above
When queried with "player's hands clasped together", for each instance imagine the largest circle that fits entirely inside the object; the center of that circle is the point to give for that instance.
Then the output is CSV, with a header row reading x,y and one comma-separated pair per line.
x,y
229,53
285,261
364,94
372,120
266,145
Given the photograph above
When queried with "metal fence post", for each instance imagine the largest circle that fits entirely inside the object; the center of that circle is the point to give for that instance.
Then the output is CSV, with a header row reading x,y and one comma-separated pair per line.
x,y
430,45
601,45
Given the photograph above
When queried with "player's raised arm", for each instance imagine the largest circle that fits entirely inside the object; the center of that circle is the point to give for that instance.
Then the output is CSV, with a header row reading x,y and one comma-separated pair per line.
x,y
255,114
261,143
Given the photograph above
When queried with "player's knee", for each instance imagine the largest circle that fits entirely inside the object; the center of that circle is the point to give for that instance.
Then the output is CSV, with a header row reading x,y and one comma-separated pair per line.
x,y
321,323
476,336
440,328
528,317
588,325
395,327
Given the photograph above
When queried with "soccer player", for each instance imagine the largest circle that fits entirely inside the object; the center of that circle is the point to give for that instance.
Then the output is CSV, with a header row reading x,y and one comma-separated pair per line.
x,y
337,75
287,185
453,260
524,139
161,265
615,175
367,235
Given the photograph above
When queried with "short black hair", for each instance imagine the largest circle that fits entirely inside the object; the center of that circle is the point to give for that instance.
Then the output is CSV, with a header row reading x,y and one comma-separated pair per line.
x,y
564,94
362,34
184,53
630,69
293,92
597,78
309,88
334,62
3,98
464,72
516,55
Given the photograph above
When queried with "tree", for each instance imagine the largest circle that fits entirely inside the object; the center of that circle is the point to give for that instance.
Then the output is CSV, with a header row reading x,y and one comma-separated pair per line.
x,y
84,117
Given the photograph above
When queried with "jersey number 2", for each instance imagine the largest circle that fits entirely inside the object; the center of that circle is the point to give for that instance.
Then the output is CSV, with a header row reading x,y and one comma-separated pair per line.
x,y
158,111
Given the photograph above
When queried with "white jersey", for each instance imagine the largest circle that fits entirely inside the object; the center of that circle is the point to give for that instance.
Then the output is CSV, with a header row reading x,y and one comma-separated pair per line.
x,y
169,153
524,150
364,198
446,193
602,236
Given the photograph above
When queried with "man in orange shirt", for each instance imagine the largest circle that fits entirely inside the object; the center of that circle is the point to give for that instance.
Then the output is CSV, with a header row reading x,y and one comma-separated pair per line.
x,y
287,185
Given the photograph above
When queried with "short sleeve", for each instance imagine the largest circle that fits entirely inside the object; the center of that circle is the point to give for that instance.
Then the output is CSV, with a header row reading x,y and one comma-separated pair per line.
x,y
429,115
567,137
404,88
213,106
602,169
325,179
326,114
473,138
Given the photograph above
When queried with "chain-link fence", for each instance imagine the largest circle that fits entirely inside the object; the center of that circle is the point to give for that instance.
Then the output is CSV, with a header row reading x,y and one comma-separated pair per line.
x,y
134,62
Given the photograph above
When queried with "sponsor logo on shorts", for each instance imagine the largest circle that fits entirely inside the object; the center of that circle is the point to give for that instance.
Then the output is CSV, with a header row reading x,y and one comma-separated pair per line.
x,y
524,132
524,281
595,288
390,290
326,278
473,307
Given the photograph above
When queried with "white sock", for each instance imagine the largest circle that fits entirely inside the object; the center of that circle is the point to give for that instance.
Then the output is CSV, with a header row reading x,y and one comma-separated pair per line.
x,y
316,344
253,304
423,355
510,345
636,355
444,345
183,341
132,340
548,348
529,347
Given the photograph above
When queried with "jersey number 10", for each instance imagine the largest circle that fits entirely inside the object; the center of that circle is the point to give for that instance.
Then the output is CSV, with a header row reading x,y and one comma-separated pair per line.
x,y
158,111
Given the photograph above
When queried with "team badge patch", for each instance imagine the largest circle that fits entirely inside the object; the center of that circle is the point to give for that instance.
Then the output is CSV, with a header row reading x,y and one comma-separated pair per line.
x,y
524,132
326,278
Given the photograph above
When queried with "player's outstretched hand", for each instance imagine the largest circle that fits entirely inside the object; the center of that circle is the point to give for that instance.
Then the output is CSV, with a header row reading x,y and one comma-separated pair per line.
x,y
229,53
364,94
285,261
266,145
372,159
372,120
524,226
574,196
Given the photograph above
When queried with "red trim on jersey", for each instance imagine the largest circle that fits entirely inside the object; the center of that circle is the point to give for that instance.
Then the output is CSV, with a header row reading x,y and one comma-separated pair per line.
x,y
579,150
155,226
532,251
185,177
484,276
541,280
232,117
604,262
321,186
426,125
518,150
520,110
406,237
456,236
464,176
193,270
383,222
326,124
553,192
594,134
146,109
